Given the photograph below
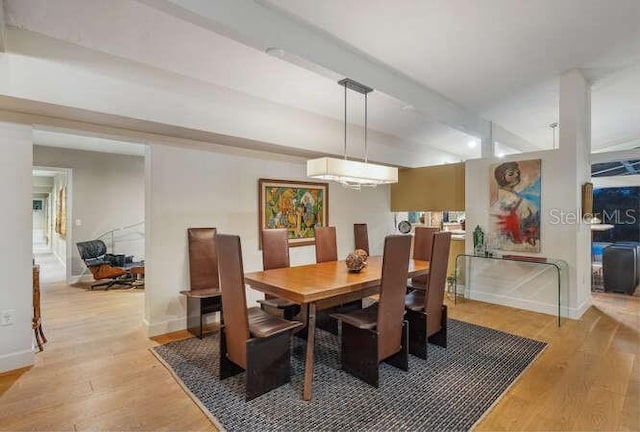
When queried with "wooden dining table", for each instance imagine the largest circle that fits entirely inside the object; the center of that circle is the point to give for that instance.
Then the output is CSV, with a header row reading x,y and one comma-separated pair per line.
x,y
321,286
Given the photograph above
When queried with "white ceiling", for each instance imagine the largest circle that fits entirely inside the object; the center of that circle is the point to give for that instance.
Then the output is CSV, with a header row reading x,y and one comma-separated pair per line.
x,y
497,58
501,58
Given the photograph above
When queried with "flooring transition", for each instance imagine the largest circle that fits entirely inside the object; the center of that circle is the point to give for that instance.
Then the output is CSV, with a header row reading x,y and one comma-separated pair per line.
x,y
97,373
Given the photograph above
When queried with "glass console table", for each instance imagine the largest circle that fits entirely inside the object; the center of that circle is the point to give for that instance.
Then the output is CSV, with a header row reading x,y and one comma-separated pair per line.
x,y
540,285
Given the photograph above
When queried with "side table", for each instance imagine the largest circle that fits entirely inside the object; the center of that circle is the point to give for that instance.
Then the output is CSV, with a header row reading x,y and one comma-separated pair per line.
x,y
463,275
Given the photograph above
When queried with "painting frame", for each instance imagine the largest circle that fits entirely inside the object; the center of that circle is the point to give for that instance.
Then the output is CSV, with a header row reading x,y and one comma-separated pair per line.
x,y
515,205
315,212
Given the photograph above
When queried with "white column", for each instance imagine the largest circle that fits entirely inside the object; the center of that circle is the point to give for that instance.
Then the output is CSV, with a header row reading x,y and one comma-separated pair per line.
x,y
575,150
488,148
16,155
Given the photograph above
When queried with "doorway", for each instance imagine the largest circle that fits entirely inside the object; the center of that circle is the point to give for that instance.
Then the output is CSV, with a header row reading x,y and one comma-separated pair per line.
x,y
616,226
103,193
51,217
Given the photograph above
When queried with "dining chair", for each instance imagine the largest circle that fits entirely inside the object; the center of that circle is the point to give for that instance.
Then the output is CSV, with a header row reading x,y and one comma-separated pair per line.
x,y
379,332
326,244
327,250
361,236
426,311
275,255
203,296
422,246
251,340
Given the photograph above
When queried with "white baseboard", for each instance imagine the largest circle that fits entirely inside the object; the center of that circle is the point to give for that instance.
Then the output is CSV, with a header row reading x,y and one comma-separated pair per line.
x,y
576,313
530,305
164,327
517,303
173,325
16,360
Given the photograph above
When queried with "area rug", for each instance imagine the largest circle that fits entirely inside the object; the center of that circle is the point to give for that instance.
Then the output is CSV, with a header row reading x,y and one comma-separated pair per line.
x,y
450,391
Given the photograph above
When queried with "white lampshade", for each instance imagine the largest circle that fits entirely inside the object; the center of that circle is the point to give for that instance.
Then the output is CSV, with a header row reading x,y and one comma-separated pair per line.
x,y
351,173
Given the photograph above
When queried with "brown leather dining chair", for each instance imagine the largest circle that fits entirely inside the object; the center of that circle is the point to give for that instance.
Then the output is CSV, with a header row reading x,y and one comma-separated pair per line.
x,y
327,250
361,236
326,244
275,254
379,333
203,297
422,246
426,311
250,339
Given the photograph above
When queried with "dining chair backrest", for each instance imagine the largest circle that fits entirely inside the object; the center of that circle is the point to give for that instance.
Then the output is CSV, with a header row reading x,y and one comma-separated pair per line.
x,y
422,246
275,248
393,284
361,236
326,244
437,281
234,302
203,259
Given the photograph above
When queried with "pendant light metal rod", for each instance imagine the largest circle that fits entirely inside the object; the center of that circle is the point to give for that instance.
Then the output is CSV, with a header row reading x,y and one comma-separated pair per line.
x,y
345,121
366,150
553,127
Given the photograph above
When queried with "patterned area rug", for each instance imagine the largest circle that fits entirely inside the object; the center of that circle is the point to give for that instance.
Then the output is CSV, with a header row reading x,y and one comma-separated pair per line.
x,y
449,391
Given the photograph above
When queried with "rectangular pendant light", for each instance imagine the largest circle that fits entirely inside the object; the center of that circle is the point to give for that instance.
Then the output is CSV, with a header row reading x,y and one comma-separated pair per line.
x,y
350,173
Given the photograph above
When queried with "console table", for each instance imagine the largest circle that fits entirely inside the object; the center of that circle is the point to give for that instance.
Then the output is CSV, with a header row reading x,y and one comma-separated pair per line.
x,y
464,272
37,322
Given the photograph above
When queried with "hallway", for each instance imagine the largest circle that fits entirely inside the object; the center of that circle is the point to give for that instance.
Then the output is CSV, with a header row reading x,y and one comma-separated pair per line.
x,y
51,269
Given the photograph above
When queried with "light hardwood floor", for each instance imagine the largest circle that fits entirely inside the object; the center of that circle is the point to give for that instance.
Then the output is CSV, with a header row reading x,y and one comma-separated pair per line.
x,y
97,373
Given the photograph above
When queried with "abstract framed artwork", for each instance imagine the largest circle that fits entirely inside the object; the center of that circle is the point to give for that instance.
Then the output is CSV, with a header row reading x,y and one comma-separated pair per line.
x,y
61,212
514,190
296,205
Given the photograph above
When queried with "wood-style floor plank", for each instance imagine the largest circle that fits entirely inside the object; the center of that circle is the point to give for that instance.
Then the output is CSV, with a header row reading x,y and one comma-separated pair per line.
x,y
97,374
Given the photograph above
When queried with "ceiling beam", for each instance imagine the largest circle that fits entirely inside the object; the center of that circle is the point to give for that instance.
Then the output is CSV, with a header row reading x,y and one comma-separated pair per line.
x,y
508,138
615,156
263,26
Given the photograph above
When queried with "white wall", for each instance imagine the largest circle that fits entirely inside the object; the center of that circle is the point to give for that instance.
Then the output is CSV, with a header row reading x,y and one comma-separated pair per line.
x,y
107,193
517,284
15,256
189,188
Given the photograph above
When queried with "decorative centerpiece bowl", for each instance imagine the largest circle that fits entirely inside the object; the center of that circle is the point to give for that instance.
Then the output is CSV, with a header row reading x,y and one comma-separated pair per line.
x,y
362,254
354,262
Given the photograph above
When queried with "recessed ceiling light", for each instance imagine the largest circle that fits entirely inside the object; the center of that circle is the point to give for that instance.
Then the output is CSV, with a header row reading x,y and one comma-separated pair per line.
x,y
500,155
472,143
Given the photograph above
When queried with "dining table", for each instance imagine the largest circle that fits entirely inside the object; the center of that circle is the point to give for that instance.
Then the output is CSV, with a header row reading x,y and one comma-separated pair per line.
x,y
321,286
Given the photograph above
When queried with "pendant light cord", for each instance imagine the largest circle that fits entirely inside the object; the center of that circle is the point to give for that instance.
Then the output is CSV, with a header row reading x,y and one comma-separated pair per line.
x,y
366,150
345,121
553,127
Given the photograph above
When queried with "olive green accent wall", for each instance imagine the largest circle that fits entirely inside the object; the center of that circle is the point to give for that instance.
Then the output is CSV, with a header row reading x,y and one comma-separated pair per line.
x,y
433,188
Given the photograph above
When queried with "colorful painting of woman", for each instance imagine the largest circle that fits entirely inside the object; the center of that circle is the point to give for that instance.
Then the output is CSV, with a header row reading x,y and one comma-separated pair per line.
x,y
515,205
